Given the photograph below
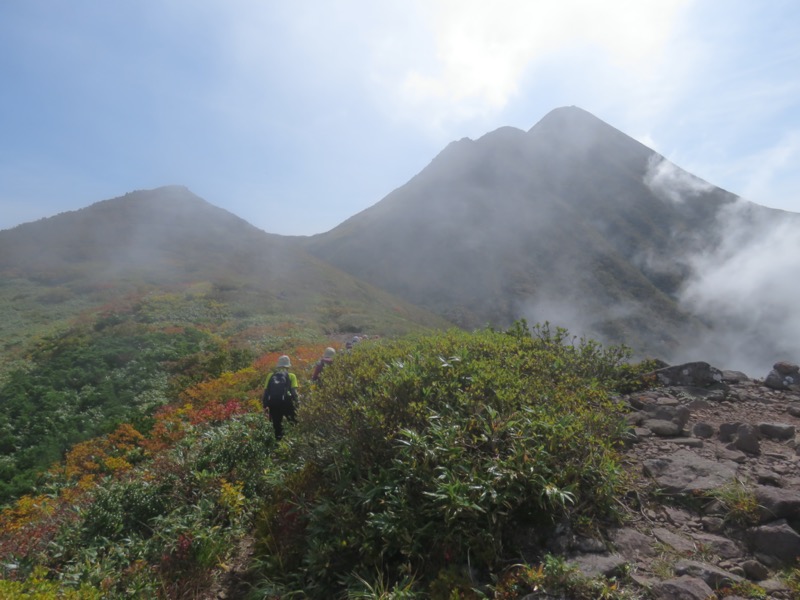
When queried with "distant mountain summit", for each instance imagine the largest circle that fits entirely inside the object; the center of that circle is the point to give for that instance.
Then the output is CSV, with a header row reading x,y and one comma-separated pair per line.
x,y
571,222
167,232
168,240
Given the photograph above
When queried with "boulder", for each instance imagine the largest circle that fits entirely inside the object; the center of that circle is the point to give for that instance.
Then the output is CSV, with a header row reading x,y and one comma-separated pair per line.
x,y
775,542
682,588
595,565
783,376
684,472
632,545
777,431
747,440
713,576
703,430
699,374
776,503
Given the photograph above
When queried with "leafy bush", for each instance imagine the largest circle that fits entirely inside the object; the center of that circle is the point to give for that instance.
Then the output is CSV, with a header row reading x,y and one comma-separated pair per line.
x,y
82,384
417,456
124,507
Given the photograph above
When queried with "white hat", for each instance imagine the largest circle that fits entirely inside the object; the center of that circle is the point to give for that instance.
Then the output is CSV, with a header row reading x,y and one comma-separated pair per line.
x,y
284,361
329,353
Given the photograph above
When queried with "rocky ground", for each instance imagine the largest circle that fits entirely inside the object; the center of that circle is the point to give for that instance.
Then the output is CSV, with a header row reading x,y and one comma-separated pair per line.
x,y
715,458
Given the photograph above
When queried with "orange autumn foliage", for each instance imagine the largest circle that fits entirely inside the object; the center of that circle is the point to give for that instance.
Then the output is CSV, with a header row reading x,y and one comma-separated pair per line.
x,y
86,463
107,454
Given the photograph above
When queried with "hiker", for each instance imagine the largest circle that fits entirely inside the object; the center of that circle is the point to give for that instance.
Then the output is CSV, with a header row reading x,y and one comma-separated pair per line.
x,y
327,358
280,395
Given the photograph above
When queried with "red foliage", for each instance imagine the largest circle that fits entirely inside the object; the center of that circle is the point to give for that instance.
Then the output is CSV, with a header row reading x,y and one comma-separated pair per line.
x,y
218,411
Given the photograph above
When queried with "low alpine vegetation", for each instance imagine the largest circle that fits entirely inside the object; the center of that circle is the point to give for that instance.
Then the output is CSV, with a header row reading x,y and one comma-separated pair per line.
x,y
431,466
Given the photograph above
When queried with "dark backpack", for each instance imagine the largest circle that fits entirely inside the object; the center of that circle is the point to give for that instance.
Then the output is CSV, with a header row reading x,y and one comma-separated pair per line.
x,y
278,391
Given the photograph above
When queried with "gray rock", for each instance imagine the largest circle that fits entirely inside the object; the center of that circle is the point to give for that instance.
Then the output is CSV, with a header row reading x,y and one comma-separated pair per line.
x,y
777,503
678,516
733,376
713,576
768,477
663,428
684,472
699,374
594,565
703,430
786,368
632,545
682,588
637,402
713,524
777,431
698,404
635,418
676,414
678,542
776,543
683,441
586,545
718,545
775,586
747,439
727,431
754,570
691,391
783,376
732,455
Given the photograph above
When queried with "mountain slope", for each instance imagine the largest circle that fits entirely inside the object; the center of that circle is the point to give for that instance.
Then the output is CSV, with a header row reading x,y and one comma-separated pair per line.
x,y
572,222
112,310
168,239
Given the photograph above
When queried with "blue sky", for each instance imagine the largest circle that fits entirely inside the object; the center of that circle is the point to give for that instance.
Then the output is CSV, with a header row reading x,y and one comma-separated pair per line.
x,y
295,115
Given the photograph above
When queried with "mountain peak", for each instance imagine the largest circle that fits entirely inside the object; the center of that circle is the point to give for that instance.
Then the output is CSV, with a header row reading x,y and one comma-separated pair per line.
x,y
569,117
574,130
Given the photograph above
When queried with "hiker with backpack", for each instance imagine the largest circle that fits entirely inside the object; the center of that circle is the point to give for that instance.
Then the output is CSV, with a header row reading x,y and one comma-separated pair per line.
x,y
327,358
280,395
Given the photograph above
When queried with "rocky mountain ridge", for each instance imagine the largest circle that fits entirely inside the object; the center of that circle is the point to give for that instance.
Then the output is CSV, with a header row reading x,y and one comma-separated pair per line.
x,y
719,454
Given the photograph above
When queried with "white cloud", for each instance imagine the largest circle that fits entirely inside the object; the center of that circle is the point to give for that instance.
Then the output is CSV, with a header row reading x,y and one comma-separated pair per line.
x,y
484,50
747,287
670,182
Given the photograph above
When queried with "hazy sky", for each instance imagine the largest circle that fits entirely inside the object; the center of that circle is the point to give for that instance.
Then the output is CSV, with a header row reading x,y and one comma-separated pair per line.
x,y
295,115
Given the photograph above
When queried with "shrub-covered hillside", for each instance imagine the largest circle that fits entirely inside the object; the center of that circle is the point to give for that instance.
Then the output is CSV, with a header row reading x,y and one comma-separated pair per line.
x,y
431,466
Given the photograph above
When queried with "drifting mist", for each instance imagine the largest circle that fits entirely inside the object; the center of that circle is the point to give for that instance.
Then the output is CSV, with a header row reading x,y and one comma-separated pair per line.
x,y
744,284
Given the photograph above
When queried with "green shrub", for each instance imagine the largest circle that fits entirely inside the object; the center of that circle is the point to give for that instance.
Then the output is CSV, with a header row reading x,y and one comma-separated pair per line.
x,y
37,586
238,449
123,508
416,456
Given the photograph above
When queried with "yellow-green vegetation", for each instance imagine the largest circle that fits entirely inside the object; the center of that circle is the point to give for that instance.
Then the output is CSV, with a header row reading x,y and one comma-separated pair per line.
x,y
792,578
738,501
39,587
554,578
419,467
